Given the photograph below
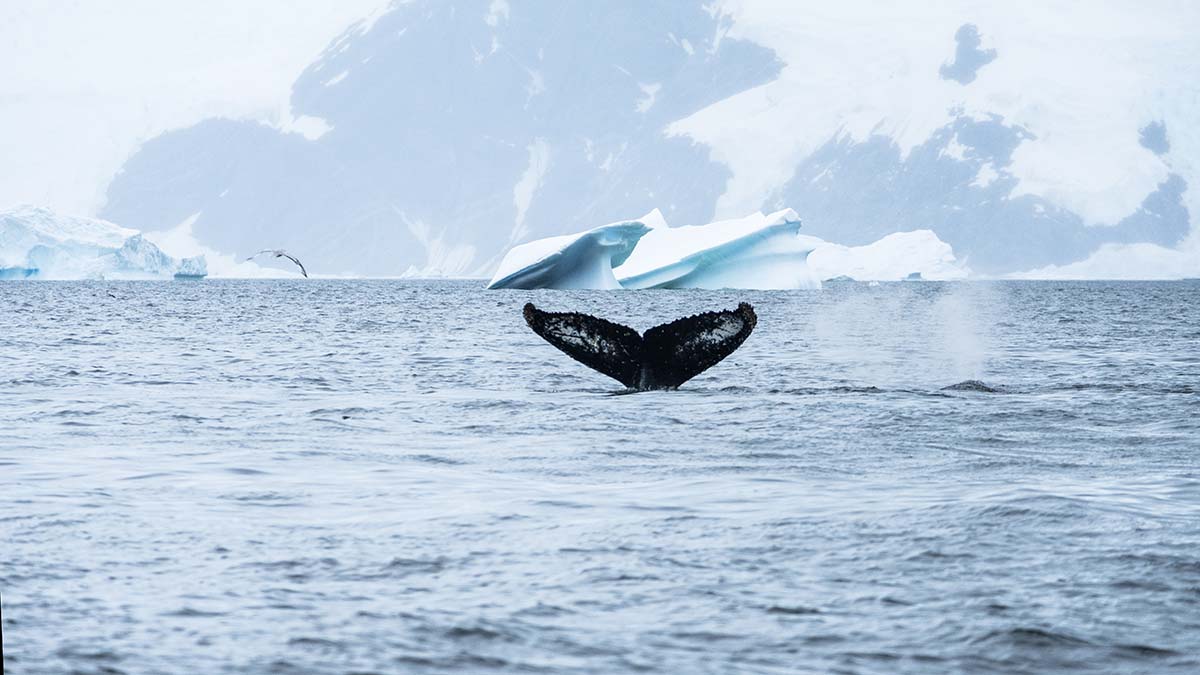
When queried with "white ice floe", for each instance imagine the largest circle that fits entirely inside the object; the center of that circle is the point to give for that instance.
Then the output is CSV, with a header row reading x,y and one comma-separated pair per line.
x,y
583,260
36,243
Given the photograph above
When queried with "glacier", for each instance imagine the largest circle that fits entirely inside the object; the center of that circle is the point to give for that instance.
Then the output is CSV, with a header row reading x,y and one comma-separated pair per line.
x,y
37,243
583,260
759,251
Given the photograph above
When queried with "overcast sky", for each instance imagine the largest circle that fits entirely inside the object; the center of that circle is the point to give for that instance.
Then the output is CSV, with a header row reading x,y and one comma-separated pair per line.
x,y
83,82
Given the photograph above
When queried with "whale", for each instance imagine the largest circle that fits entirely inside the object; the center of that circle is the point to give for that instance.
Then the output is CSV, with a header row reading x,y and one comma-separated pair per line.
x,y
662,358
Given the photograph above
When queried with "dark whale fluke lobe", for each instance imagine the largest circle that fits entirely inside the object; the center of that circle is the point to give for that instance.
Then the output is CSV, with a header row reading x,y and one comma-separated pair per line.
x,y
972,385
664,357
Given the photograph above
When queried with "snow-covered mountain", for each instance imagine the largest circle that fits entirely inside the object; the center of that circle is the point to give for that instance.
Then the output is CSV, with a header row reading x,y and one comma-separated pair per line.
x,y
438,135
444,132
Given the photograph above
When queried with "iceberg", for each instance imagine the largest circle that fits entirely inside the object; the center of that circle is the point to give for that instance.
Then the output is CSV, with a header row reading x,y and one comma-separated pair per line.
x,y
195,267
764,252
758,251
916,255
583,260
36,243
137,255
9,273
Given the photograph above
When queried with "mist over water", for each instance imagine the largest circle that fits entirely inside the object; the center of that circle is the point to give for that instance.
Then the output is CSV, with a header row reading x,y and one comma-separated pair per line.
x,y
901,335
370,476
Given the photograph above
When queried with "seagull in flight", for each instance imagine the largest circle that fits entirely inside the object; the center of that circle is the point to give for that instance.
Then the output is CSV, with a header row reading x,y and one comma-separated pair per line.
x,y
280,253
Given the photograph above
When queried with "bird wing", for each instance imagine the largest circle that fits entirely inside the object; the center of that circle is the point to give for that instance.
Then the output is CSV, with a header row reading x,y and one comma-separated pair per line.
x,y
682,349
265,250
293,259
608,347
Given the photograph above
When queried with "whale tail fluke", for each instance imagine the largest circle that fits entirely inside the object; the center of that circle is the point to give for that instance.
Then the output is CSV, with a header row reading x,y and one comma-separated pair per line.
x,y
664,357
675,352
608,347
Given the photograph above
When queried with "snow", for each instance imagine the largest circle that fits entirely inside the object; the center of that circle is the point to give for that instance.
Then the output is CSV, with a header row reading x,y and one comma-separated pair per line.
x,y
582,260
649,94
955,150
527,186
860,68
757,251
497,11
44,245
987,174
1128,261
894,257
537,83
308,126
442,258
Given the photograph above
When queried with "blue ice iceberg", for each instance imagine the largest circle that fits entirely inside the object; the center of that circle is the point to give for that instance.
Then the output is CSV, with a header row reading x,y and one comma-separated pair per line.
x,y
36,243
583,260
195,267
756,252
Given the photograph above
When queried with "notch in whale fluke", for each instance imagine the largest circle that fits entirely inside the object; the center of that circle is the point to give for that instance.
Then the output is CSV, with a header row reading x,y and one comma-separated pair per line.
x,y
664,357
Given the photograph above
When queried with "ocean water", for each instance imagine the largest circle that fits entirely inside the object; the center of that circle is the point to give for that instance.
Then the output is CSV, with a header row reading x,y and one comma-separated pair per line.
x,y
386,477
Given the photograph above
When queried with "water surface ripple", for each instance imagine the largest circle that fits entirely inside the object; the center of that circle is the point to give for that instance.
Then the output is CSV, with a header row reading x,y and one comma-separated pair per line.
x,y
385,476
